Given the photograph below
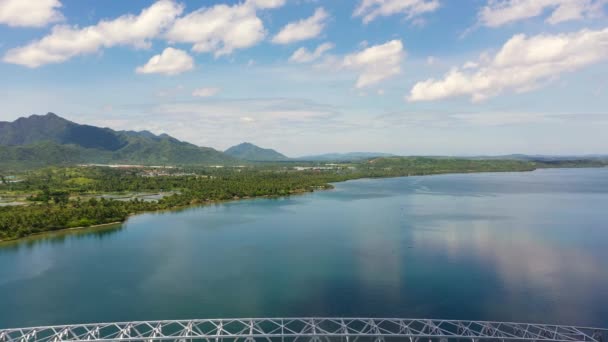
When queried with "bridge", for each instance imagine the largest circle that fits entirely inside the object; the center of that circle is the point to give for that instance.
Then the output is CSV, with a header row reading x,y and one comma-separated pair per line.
x,y
307,329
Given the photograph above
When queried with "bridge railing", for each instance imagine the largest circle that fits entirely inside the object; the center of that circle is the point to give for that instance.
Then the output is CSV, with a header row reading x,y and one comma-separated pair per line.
x,y
313,329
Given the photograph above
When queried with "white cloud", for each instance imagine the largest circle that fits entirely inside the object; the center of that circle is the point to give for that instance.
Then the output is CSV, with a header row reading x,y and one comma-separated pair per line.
x,y
522,64
372,9
24,13
376,63
302,55
221,29
206,92
205,122
500,12
470,65
66,42
170,62
304,29
267,3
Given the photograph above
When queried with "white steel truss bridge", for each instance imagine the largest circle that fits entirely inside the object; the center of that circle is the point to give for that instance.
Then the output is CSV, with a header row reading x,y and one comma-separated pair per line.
x,y
307,329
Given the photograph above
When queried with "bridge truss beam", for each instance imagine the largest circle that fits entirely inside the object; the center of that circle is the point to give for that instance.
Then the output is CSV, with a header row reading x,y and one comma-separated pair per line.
x,y
306,329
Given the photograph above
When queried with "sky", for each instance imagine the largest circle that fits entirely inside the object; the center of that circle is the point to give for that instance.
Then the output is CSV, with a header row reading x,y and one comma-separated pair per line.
x,y
410,77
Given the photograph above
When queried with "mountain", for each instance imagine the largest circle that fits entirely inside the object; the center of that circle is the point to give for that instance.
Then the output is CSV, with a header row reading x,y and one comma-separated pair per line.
x,y
40,140
352,156
52,128
251,152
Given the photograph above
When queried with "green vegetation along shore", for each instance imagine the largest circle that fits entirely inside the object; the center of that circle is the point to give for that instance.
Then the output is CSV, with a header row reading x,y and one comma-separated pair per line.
x,y
66,197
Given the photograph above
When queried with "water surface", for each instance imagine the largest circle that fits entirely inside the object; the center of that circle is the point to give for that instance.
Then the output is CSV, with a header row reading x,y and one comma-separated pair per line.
x,y
496,246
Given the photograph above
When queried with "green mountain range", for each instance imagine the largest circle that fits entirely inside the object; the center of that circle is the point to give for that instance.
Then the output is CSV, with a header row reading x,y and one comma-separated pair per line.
x,y
41,140
251,152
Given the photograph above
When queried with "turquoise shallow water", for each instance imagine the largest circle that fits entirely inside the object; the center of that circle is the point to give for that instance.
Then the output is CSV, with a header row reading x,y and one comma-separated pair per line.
x,y
503,246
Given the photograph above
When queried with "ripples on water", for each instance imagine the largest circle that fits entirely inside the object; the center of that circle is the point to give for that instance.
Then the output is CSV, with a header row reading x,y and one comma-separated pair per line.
x,y
503,246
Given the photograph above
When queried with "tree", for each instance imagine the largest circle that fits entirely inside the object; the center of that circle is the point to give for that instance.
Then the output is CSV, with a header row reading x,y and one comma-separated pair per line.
x,y
60,197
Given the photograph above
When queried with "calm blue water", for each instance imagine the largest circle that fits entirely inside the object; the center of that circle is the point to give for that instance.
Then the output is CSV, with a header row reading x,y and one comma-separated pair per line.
x,y
506,246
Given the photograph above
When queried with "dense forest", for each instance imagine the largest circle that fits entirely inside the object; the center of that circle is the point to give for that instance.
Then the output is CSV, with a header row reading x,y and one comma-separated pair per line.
x,y
65,197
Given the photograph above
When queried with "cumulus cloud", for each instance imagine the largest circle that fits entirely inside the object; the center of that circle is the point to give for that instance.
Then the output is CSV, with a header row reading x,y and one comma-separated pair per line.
x,y
304,29
267,3
221,29
66,42
372,9
376,63
522,64
302,55
170,62
500,12
20,13
205,92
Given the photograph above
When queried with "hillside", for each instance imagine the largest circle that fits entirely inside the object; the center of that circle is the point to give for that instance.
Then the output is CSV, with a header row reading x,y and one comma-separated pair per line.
x,y
49,153
41,140
251,152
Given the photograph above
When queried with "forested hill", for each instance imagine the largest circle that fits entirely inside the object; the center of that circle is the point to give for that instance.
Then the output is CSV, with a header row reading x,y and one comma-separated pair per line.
x,y
52,128
251,152
41,140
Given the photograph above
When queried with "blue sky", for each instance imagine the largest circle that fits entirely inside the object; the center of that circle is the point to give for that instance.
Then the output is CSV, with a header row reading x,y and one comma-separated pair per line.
x,y
314,76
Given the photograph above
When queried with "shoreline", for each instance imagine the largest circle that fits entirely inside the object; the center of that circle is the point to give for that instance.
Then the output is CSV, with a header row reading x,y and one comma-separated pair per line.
x,y
302,192
65,230
202,204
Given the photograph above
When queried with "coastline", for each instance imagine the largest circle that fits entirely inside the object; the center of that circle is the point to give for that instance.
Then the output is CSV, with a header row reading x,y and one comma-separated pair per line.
x,y
65,230
202,204
205,203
